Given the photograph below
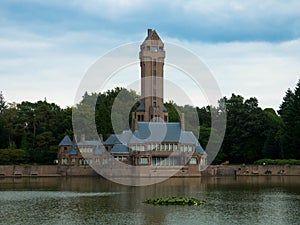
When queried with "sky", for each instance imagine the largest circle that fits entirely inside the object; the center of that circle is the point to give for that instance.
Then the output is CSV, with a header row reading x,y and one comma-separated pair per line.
x,y
252,47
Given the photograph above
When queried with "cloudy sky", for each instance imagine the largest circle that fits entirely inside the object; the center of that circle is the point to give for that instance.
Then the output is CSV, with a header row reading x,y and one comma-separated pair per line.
x,y
251,47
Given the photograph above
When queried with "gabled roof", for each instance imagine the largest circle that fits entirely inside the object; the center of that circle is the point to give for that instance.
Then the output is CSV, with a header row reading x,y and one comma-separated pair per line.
x,y
66,141
122,138
200,150
152,35
73,151
141,107
165,109
111,140
119,149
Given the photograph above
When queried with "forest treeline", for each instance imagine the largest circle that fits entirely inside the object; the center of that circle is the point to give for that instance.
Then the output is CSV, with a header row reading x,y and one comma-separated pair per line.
x,y
30,132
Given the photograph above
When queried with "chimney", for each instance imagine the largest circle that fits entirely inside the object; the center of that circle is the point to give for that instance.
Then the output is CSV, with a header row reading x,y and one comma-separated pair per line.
x,y
101,137
149,31
133,121
182,121
75,138
82,138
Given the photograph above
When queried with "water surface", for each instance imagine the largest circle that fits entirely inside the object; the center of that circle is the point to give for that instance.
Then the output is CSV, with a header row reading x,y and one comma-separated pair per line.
x,y
93,200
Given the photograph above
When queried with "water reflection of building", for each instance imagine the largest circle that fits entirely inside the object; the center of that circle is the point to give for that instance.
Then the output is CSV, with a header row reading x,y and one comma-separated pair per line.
x,y
152,140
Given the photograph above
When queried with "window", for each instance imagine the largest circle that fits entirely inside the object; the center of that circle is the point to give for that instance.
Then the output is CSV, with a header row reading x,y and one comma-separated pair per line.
x,y
154,161
154,49
185,148
161,48
167,147
193,161
154,104
144,161
190,148
105,161
148,48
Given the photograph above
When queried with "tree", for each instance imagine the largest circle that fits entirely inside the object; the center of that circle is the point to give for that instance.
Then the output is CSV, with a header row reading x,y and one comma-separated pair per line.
x,y
244,138
273,132
172,111
2,103
289,112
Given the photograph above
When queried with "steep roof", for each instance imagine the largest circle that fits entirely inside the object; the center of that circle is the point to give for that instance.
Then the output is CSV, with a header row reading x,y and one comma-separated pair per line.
x,y
165,109
111,140
141,107
66,141
152,35
122,138
157,132
152,132
73,151
119,149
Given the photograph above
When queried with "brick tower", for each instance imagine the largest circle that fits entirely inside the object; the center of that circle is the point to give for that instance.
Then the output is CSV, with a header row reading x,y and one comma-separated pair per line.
x,y
152,55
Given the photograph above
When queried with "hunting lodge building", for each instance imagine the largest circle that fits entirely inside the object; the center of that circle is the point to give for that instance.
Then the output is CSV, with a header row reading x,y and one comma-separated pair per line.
x,y
152,140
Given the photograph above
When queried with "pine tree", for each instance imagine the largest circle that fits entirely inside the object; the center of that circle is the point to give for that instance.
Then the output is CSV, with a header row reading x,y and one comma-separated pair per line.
x,y
290,113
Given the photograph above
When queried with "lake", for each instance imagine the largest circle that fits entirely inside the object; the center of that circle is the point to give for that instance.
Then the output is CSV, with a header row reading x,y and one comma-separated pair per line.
x,y
94,200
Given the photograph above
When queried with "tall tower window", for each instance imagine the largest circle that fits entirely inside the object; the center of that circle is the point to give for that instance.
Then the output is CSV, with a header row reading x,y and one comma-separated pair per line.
x,y
154,49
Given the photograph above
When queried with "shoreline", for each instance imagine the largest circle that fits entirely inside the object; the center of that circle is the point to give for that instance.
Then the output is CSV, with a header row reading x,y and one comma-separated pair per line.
x,y
210,171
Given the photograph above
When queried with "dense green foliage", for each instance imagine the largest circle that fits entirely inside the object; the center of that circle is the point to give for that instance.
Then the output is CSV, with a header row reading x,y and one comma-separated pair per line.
x,y
251,132
30,132
290,114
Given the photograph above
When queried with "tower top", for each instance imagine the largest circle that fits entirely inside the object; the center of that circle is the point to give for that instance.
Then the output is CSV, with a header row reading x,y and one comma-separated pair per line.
x,y
152,36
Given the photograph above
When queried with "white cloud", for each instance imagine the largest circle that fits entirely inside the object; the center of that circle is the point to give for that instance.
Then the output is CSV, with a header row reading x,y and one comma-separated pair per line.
x,y
34,65
257,69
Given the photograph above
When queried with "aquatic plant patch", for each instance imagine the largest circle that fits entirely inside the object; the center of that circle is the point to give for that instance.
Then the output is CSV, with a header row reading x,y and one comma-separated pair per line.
x,y
175,201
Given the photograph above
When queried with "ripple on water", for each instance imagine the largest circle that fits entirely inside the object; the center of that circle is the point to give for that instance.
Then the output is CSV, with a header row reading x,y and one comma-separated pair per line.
x,y
30,195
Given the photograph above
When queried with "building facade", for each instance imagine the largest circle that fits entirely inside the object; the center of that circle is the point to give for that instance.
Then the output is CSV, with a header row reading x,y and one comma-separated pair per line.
x,y
152,140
